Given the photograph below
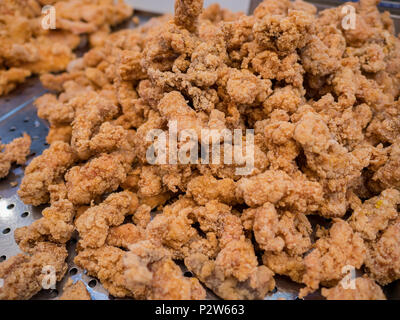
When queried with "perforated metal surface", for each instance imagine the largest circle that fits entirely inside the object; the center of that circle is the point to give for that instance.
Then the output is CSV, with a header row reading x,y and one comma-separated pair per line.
x,y
18,115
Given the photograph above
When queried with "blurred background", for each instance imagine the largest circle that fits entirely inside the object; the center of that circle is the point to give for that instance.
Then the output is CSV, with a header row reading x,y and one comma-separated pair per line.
x,y
167,6
163,6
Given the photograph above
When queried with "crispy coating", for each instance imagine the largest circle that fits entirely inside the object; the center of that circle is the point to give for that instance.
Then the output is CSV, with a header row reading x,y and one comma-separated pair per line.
x,y
150,269
9,79
275,232
55,226
279,188
95,112
341,247
234,273
375,214
324,105
259,282
57,113
124,235
98,176
284,236
283,33
44,171
173,228
59,133
75,291
382,260
366,289
14,152
388,175
142,215
106,264
24,274
93,225
28,48
284,264
335,167
186,13
206,188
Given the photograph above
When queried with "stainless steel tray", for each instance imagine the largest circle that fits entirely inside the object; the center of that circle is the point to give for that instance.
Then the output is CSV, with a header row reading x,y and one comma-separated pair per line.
x,y
18,115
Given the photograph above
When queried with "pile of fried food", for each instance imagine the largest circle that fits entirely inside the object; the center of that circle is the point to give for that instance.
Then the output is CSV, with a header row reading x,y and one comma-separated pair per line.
x,y
324,193
27,48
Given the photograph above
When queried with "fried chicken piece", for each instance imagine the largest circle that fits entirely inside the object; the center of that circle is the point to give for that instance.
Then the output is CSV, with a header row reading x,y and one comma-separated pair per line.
x,y
150,269
50,109
142,215
284,264
75,291
322,53
24,275
287,98
173,107
129,66
385,125
383,255
99,175
371,58
388,175
9,79
340,248
58,191
106,264
375,214
275,232
245,88
284,236
52,56
16,151
55,226
336,168
173,228
88,16
150,182
44,171
206,188
284,34
237,259
126,274
366,289
346,125
256,286
233,271
87,119
108,139
154,121
322,101
150,93
58,82
277,187
94,224
187,12
276,137
133,109
272,7
217,218
124,235
59,133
